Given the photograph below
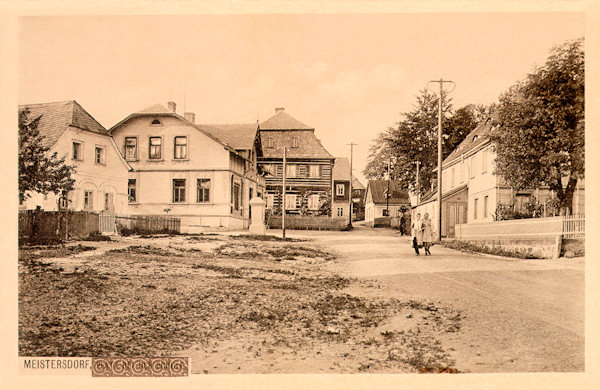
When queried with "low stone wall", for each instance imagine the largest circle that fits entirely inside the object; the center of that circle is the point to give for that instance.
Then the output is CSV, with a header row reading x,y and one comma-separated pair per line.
x,y
539,237
307,222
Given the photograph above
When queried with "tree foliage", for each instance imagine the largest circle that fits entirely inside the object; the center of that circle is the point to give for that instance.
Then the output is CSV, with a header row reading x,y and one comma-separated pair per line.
x,y
415,139
540,137
39,171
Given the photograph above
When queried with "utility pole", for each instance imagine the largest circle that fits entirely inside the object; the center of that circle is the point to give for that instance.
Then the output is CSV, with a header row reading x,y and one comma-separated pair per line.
x,y
439,175
350,192
387,194
283,193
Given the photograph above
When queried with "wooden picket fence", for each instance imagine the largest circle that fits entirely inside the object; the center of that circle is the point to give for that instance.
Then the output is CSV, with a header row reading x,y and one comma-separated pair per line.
x,y
573,226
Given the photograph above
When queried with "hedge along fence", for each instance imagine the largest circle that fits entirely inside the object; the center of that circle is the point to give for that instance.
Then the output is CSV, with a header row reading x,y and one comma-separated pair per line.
x,y
307,222
36,226
148,223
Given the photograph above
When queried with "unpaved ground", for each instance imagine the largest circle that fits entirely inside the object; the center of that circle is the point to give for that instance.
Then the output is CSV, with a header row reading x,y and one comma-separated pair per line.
x,y
232,304
517,315
337,302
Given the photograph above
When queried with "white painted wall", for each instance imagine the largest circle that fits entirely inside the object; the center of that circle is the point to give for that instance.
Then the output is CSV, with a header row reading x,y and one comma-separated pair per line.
x,y
109,177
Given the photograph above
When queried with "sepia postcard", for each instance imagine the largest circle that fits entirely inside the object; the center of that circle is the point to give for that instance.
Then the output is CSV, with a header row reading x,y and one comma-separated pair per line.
x,y
236,194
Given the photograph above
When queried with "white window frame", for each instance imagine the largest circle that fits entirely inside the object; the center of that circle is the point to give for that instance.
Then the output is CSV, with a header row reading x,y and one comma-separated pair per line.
x,y
88,200
340,211
131,199
79,155
100,159
179,196
290,201
134,147
291,170
314,171
202,186
313,202
340,189
160,147
182,148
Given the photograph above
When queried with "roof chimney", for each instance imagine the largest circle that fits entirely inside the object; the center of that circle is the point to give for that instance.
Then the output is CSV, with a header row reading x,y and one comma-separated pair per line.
x,y
190,116
278,110
171,106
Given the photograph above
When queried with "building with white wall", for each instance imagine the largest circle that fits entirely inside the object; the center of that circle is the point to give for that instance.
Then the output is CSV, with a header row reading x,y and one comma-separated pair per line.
x,y
384,198
100,171
203,174
471,191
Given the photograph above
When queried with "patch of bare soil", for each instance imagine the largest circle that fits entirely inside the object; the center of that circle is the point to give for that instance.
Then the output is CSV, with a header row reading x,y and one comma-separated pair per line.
x,y
235,305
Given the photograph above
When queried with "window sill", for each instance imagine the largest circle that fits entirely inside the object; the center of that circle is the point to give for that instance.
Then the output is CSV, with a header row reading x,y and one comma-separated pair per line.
x,y
155,160
102,164
132,160
180,159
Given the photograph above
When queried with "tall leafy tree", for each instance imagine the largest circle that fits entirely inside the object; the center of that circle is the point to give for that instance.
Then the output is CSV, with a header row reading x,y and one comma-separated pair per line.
x,y
540,138
39,171
415,139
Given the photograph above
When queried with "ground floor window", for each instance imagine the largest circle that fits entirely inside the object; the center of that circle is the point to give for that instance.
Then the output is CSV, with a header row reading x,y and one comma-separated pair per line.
x,y
236,196
340,212
290,202
203,191
313,202
178,190
475,208
88,200
132,190
108,201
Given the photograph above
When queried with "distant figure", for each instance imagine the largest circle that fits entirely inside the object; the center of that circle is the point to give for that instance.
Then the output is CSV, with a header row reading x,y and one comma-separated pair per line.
x,y
416,233
427,234
402,224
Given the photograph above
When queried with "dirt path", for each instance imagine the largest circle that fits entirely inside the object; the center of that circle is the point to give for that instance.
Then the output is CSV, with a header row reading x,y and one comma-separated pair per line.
x,y
517,315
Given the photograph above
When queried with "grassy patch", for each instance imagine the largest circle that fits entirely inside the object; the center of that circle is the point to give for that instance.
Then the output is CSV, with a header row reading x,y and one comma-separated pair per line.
x,y
266,237
470,247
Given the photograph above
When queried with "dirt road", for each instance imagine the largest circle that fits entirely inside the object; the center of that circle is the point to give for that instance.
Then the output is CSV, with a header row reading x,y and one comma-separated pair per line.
x,y
518,315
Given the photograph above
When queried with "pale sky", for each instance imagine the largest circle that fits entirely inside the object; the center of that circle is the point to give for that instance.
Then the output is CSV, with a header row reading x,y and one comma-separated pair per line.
x,y
348,75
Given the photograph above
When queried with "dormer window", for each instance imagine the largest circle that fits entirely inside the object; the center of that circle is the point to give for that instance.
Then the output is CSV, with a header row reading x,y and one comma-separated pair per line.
x,y
156,122
474,138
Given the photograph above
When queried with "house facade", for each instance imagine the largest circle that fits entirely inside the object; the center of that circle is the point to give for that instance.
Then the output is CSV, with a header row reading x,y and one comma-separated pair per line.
x,y
309,167
471,191
384,198
340,205
101,173
203,174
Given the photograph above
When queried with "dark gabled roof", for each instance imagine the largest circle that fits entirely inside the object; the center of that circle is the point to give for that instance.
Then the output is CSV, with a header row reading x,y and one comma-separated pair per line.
x,y
341,169
477,137
432,194
55,119
379,188
356,184
283,121
238,136
309,147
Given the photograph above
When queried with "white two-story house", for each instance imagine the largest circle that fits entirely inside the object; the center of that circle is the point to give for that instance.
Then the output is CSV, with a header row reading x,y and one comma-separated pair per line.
x,y
203,174
101,173
471,191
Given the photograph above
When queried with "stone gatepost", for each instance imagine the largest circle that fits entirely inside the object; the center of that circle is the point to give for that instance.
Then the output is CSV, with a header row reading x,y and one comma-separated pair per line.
x,y
257,223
